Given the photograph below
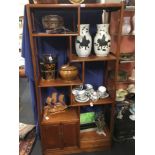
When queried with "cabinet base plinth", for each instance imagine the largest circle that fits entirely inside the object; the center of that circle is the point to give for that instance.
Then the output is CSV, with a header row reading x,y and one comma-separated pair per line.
x,y
77,150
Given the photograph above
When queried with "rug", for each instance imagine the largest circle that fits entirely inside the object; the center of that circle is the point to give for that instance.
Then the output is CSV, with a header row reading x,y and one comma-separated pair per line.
x,y
26,144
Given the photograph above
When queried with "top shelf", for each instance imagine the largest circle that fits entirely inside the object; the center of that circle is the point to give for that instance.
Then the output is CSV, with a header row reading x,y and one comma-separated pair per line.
x,y
104,5
94,5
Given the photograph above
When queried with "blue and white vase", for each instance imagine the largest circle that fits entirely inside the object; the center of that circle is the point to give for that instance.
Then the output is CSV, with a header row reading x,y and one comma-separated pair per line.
x,y
83,42
102,40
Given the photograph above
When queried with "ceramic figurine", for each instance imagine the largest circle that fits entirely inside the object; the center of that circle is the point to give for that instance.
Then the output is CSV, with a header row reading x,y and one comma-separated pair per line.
x,y
126,28
83,43
100,123
54,105
102,40
120,115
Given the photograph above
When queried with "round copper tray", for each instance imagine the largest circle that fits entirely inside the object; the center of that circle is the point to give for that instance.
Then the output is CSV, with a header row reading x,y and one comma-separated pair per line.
x,y
76,1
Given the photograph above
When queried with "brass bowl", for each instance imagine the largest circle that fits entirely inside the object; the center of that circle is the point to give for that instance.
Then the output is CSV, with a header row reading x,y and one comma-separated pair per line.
x,y
68,72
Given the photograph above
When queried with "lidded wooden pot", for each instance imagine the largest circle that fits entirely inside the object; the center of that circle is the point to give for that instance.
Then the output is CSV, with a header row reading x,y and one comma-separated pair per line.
x,y
68,72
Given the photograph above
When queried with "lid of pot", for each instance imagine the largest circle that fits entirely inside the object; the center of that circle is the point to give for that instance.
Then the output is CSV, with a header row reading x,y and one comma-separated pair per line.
x,y
68,67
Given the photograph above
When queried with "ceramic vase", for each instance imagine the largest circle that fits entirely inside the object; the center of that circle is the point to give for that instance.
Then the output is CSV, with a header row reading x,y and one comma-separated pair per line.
x,y
105,17
102,40
83,42
126,28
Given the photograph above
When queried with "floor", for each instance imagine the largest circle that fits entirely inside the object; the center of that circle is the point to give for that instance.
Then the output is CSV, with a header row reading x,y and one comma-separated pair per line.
x,y
123,148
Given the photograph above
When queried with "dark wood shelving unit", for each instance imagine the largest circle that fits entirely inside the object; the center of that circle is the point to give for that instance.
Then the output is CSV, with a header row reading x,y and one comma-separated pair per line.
x,y
60,133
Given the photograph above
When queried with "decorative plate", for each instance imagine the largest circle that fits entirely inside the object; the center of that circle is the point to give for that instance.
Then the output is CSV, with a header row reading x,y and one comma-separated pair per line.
x,y
76,1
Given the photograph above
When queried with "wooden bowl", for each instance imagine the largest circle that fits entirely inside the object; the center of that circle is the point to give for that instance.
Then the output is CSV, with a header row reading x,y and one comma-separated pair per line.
x,y
68,72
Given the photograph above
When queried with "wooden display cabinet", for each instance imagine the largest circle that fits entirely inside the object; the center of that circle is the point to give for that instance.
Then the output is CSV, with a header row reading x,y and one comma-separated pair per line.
x,y
60,136
61,132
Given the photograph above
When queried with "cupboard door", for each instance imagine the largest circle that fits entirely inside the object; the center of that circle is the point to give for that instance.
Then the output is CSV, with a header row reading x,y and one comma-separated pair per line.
x,y
70,134
51,137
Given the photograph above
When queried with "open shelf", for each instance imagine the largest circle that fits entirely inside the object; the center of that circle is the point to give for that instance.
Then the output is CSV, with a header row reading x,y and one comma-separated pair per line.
x,y
129,8
54,35
126,61
58,82
53,6
126,82
91,138
107,100
123,35
102,5
68,115
129,34
97,5
75,58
